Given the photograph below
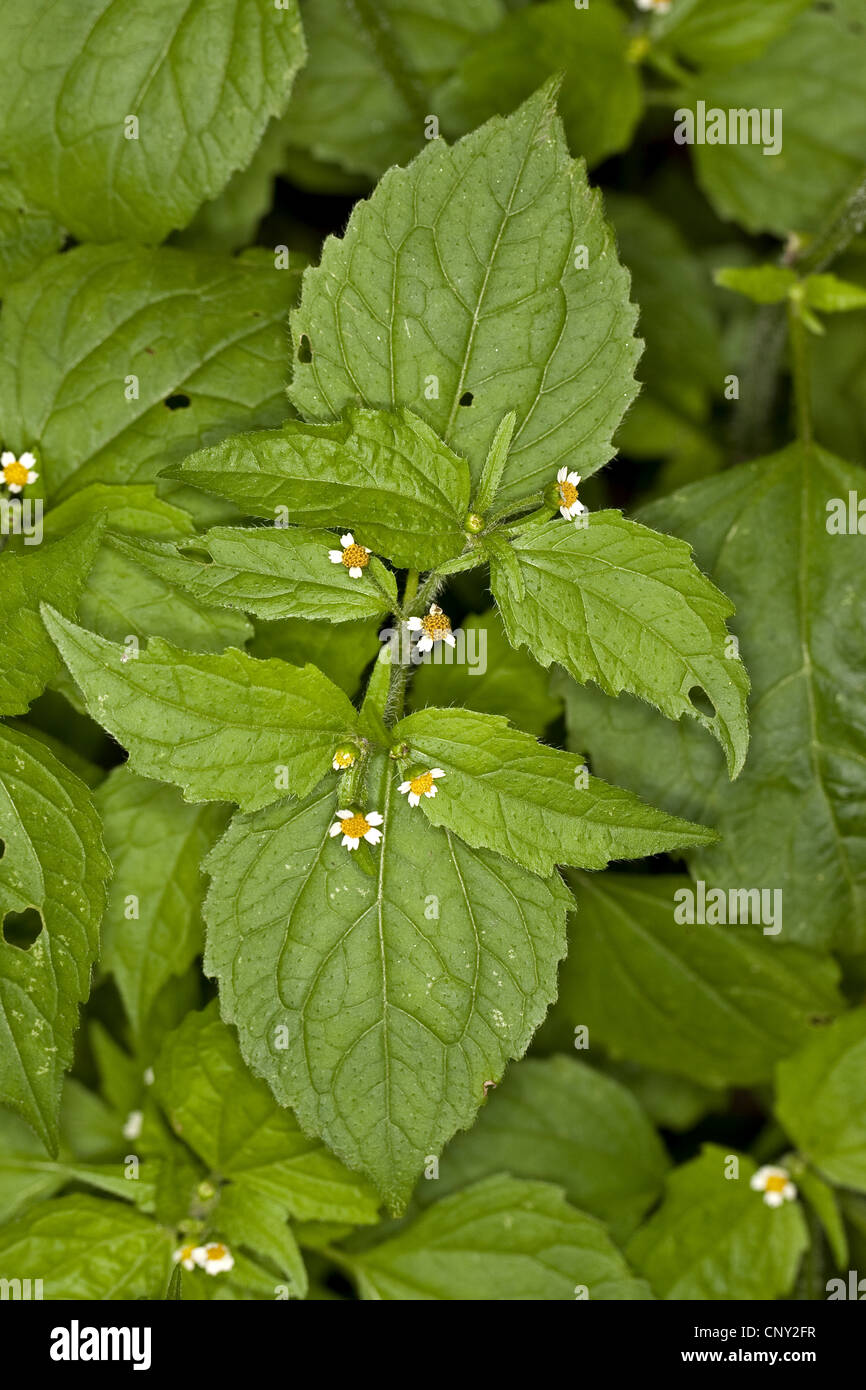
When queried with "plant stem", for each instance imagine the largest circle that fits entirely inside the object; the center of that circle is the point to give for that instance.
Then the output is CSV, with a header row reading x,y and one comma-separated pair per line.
x,y
847,221
799,347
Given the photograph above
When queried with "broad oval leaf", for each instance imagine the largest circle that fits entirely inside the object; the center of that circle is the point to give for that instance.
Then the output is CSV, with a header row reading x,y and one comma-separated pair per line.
x,y
500,1240
714,1238
221,727
66,125
716,1003
377,1007
820,1100
53,866
481,279
616,603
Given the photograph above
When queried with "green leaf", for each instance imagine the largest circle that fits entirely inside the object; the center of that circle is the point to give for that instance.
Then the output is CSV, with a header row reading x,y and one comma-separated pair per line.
x,y
378,1007
387,476
813,75
500,1241
131,509
53,865
275,573
793,821
27,234
562,1122
249,1218
364,96
458,276
341,651
825,1204
230,221
494,679
222,728
92,327
714,1238
27,577
24,1177
616,603
504,791
712,1003
820,1100
231,1119
153,926
724,36
601,100
830,295
682,362
763,284
66,121
87,1248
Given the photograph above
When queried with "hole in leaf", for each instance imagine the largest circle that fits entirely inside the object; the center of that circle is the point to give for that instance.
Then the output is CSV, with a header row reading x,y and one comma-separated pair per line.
x,y
305,350
178,402
2,848
467,398
22,928
702,702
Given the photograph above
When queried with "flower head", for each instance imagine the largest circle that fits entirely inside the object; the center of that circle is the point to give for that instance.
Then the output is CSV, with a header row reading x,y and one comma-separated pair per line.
x,y
566,489
214,1258
421,784
344,756
654,6
354,828
356,558
16,473
187,1256
435,627
776,1185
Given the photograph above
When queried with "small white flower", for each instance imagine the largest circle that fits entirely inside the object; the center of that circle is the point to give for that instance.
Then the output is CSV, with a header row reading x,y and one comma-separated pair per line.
x,y
776,1185
422,784
188,1256
133,1124
354,828
567,483
654,6
356,558
436,627
344,756
17,472
148,1076
214,1258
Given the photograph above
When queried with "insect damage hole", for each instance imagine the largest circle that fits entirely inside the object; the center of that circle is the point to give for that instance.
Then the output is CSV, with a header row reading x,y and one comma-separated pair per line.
x,y
700,700
177,402
305,351
467,398
22,928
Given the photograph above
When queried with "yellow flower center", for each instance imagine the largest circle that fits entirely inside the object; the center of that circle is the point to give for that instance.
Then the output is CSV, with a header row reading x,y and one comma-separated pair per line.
x,y
216,1252
775,1184
355,555
355,827
568,493
15,473
186,1252
421,785
436,625
344,758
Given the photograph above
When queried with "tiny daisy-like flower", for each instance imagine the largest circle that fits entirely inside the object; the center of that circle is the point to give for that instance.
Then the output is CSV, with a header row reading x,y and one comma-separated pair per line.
x,y
188,1256
214,1258
17,472
436,627
133,1124
354,828
356,558
422,784
344,756
654,6
776,1185
566,487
